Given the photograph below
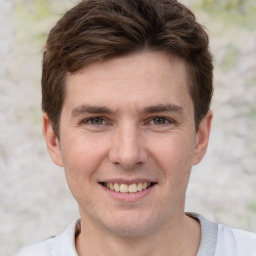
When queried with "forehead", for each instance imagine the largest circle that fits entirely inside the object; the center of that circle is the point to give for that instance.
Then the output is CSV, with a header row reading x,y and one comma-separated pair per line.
x,y
134,80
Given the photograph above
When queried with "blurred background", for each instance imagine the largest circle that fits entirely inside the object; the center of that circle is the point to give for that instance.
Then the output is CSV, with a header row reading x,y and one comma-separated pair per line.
x,y
34,199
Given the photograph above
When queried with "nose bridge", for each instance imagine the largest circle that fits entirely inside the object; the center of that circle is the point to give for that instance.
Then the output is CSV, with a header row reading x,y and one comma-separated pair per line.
x,y
127,149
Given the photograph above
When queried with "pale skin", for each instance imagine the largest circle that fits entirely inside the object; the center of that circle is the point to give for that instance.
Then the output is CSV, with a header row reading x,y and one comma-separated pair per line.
x,y
130,120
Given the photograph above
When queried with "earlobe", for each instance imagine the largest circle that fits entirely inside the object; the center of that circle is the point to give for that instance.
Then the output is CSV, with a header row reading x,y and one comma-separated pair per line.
x,y
51,140
202,139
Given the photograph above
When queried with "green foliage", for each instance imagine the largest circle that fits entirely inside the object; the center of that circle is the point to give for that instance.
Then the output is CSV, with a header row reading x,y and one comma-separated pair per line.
x,y
227,5
231,57
252,112
230,12
35,10
29,17
252,207
34,18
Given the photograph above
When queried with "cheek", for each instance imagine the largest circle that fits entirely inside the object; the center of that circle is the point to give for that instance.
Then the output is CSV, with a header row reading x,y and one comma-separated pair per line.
x,y
82,151
82,157
175,156
176,148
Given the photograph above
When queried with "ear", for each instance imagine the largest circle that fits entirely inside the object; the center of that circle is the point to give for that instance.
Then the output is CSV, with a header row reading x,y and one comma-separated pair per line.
x,y
202,137
52,141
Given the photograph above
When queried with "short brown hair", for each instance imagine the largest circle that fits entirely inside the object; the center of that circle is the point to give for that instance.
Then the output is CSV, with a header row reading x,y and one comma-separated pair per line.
x,y
96,30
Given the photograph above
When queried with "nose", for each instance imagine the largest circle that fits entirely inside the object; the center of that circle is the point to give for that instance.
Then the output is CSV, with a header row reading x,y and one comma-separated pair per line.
x,y
127,149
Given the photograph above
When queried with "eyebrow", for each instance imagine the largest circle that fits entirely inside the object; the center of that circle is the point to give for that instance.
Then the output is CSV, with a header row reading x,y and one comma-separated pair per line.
x,y
92,109
163,108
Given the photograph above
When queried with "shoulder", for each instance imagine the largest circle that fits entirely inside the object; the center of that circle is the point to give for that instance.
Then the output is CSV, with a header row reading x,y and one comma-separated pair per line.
x,y
219,240
242,242
62,244
42,248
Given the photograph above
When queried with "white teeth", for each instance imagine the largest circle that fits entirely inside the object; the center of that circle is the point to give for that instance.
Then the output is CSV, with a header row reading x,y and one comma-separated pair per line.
x,y
133,188
144,185
139,187
116,187
111,186
124,188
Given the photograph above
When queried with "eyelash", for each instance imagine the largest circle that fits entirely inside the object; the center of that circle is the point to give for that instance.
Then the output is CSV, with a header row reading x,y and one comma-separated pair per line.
x,y
89,120
167,121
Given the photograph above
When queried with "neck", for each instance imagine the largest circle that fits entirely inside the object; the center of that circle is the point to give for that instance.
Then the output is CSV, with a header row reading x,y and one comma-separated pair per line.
x,y
179,238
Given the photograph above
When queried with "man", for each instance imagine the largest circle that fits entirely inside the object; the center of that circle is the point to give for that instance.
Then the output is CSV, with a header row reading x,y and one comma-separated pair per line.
x,y
126,87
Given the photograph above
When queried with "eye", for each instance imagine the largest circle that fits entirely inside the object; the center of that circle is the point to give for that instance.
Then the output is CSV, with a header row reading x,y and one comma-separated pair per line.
x,y
96,121
160,121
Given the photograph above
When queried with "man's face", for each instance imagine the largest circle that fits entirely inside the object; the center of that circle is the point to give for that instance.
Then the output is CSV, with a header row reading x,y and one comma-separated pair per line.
x,y
128,124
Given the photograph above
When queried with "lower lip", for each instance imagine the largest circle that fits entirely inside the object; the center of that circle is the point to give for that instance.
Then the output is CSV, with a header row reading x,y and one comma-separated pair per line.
x,y
129,197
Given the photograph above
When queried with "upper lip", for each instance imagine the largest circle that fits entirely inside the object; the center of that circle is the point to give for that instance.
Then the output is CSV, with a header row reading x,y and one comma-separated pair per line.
x,y
127,181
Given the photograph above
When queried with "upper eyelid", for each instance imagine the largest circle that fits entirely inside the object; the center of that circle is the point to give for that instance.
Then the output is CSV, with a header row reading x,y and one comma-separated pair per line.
x,y
147,120
85,120
164,117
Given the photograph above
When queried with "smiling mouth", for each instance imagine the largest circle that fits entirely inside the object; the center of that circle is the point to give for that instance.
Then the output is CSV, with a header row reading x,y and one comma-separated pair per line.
x,y
125,188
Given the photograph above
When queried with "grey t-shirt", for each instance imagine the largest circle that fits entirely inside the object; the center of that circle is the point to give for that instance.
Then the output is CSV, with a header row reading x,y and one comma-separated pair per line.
x,y
209,235
216,240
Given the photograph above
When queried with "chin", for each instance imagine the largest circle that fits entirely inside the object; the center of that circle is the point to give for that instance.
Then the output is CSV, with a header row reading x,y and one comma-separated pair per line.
x,y
131,226
130,231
